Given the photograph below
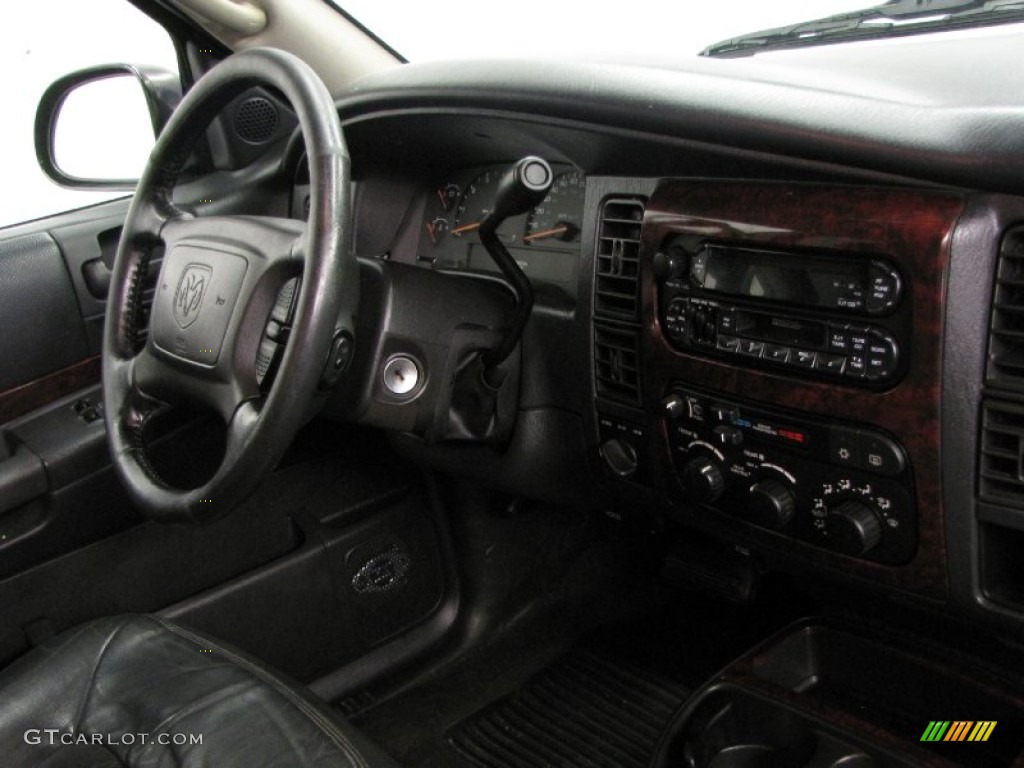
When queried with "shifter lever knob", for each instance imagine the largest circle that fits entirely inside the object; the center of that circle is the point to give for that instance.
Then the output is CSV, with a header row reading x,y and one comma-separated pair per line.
x,y
521,187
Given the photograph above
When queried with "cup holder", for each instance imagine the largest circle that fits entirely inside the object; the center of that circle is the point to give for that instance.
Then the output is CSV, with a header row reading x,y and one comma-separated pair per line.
x,y
729,727
820,696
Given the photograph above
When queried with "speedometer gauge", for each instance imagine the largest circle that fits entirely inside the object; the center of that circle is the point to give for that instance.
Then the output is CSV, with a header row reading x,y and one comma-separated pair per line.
x,y
559,214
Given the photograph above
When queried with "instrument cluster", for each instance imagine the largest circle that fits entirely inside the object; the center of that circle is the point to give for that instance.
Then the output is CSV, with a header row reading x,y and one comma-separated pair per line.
x,y
545,242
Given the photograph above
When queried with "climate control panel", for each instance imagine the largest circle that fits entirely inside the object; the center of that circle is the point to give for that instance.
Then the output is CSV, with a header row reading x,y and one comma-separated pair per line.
x,y
835,485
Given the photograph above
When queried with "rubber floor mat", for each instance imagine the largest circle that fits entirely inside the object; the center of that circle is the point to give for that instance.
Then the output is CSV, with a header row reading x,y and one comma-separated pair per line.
x,y
590,709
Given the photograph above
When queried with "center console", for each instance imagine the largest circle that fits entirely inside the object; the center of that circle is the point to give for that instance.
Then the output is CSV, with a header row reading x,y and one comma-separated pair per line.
x,y
768,361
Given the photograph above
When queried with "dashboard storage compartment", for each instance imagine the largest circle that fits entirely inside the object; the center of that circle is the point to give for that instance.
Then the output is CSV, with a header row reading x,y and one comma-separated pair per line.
x,y
820,695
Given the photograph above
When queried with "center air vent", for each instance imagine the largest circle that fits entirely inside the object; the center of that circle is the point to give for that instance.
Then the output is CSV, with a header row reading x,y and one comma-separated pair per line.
x,y
1001,469
1006,342
618,259
617,364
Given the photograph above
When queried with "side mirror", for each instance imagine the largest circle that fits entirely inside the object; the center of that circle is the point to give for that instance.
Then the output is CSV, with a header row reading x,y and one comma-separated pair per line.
x,y
95,127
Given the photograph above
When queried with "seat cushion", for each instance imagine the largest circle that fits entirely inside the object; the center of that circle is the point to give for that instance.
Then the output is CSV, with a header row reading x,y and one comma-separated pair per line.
x,y
141,691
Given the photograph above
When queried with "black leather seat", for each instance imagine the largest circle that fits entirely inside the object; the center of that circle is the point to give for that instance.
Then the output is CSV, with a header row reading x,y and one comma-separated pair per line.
x,y
128,690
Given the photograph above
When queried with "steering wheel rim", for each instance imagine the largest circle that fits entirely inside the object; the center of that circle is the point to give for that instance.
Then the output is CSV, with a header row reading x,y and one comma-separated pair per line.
x,y
218,282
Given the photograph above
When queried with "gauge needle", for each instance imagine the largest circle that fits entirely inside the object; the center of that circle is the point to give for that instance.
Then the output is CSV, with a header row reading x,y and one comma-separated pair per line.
x,y
466,228
561,229
430,231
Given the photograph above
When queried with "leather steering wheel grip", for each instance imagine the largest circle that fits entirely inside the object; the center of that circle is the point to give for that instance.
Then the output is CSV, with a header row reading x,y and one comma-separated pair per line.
x,y
260,427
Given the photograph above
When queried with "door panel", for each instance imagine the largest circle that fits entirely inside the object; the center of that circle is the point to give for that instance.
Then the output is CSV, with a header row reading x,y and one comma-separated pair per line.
x,y
41,323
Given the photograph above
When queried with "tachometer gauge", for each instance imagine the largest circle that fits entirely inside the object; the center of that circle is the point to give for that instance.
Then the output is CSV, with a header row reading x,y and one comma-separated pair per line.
x,y
476,203
558,216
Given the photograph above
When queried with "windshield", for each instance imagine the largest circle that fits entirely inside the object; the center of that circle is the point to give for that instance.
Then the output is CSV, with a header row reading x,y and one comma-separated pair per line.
x,y
630,28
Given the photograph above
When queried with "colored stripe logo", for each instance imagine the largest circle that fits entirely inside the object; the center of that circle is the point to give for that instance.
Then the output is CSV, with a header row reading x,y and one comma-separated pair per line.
x,y
958,730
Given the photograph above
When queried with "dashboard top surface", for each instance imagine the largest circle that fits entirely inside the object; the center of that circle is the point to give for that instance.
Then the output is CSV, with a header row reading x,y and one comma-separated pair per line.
x,y
940,108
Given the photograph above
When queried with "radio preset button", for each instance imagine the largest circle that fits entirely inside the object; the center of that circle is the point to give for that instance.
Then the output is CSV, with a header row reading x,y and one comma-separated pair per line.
x,y
776,353
804,358
726,322
830,363
751,347
729,343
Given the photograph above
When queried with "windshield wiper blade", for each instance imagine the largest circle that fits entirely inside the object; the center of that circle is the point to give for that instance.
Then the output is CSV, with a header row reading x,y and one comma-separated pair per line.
x,y
896,17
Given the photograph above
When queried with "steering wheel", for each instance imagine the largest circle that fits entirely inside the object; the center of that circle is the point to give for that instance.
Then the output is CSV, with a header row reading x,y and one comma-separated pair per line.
x,y
219,281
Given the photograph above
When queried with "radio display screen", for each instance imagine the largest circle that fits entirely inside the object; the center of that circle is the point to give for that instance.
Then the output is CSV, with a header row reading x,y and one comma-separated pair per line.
x,y
805,280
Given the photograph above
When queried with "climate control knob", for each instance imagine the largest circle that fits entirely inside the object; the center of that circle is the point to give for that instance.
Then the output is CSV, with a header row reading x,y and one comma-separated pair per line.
x,y
853,528
771,504
703,480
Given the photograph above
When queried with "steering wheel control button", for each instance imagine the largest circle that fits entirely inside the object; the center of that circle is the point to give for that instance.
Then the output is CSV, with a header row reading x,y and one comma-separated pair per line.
x,y
342,349
266,359
282,312
195,301
401,376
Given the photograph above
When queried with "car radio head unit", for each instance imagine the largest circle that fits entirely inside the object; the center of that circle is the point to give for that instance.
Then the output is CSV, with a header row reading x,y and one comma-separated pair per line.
x,y
816,313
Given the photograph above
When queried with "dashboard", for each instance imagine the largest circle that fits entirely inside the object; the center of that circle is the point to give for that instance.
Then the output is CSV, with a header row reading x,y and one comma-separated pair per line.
x,y
764,297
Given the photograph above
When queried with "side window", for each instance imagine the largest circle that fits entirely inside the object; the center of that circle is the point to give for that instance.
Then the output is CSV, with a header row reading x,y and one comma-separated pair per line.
x,y
41,41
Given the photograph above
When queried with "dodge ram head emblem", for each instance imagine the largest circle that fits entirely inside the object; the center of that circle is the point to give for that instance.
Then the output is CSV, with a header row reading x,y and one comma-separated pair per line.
x,y
188,299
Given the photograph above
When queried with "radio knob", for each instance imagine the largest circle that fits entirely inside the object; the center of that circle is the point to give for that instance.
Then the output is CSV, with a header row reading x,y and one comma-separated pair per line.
x,y
853,528
771,504
703,480
670,264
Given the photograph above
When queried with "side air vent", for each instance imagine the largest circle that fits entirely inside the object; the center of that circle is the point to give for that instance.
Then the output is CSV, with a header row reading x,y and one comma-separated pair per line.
x,y
618,259
1006,342
617,364
1001,469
